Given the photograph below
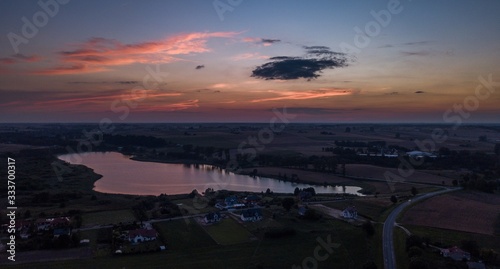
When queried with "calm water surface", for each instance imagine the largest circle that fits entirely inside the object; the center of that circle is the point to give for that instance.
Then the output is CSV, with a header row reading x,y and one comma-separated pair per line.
x,y
126,176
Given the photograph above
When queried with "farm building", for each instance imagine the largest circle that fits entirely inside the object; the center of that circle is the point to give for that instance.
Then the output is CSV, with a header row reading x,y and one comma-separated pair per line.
x,y
455,253
212,217
142,235
252,214
350,213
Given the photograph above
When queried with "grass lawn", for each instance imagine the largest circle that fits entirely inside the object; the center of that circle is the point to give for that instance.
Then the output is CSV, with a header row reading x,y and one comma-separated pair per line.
x,y
98,239
193,206
375,209
107,217
402,259
183,235
228,232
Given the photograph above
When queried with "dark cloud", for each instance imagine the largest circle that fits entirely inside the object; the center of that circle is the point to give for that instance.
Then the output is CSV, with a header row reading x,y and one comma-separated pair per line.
x,y
199,67
415,53
270,41
317,58
126,82
386,46
419,92
312,110
416,43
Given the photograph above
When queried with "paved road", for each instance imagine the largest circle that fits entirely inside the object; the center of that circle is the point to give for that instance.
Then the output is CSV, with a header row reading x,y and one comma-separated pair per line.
x,y
388,235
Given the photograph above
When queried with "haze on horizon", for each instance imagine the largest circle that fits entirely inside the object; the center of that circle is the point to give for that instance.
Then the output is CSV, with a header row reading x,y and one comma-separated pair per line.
x,y
234,61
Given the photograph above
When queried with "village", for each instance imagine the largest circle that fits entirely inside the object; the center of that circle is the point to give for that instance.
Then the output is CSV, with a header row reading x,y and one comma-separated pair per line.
x,y
235,218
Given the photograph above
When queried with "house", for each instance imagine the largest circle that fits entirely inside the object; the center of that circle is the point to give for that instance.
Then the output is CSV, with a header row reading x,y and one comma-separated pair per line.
x,y
60,222
350,213
52,223
61,231
23,225
230,203
212,217
455,253
251,214
420,154
231,200
476,265
42,224
302,210
252,199
141,235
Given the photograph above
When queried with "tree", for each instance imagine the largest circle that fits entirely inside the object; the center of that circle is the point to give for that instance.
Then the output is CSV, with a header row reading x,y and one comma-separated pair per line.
x,y
497,149
348,129
370,265
287,203
414,191
369,229
394,199
455,182
415,252
193,194
296,191
27,214
471,247
418,263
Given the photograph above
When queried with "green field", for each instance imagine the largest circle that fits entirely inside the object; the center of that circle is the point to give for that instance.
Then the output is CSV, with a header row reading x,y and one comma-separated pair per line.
x,y
189,246
375,209
107,217
402,259
228,232
182,235
451,238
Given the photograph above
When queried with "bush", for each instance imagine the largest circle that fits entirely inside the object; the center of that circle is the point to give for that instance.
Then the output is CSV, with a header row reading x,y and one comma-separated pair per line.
x,y
279,233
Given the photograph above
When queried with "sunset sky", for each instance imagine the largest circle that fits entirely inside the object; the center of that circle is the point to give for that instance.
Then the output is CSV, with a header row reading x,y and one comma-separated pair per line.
x,y
236,60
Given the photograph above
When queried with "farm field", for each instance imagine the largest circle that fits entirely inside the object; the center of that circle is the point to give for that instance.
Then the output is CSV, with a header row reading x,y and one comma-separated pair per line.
x,y
189,246
465,211
107,217
368,186
228,232
372,171
372,208
448,237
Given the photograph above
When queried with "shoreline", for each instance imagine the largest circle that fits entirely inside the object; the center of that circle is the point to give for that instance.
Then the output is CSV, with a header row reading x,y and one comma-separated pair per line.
x,y
245,173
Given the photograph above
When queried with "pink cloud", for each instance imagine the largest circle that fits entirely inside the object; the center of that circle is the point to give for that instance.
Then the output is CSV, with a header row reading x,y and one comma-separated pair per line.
x,y
97,54
19,58
292,95
171,107
249,56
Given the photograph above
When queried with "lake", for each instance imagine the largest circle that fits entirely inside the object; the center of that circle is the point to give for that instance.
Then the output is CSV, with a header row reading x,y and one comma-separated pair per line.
x,y
122,175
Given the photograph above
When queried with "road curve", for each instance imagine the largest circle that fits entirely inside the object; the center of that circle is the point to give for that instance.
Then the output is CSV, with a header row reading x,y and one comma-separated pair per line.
x,y
387,233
